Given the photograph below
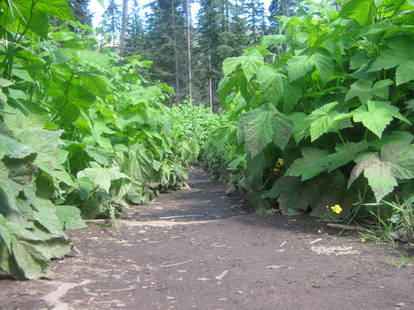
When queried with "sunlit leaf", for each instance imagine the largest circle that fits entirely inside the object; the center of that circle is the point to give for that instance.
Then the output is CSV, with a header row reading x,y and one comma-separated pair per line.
x,y
307,167
299,66
377,115
396,161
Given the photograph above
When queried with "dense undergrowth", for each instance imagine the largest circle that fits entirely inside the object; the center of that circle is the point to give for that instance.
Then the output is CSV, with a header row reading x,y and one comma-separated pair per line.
x,y
82,133
321,115
317,119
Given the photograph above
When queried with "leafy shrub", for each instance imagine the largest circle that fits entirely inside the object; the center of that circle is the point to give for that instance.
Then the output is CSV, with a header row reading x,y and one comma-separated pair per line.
x,y
82,133
331,95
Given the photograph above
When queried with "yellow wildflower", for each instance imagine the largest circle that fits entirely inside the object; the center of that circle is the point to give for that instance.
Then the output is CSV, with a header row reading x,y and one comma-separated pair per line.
x,y
337,209
280,162
363,240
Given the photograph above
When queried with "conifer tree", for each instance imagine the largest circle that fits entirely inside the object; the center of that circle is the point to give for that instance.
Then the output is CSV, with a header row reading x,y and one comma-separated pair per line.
x,y
134,40
111,18
255,20
222,33
209,29
81,11
166,43
238,27
124,22
190,73
281,7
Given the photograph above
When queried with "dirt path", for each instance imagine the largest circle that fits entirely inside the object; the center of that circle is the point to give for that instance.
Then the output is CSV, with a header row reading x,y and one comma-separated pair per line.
x,y
198,249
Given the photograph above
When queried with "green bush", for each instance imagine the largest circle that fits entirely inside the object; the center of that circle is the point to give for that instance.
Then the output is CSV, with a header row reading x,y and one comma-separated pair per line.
x,y
330,94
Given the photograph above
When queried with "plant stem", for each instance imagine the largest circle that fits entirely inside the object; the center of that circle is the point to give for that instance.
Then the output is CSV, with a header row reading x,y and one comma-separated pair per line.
x,y
344,143
66,96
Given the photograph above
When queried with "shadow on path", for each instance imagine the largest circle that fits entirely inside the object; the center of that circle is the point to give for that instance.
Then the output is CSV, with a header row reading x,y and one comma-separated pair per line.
x,y
199,249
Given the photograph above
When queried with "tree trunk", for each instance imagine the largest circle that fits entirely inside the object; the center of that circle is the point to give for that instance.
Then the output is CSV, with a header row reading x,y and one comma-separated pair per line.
x,y
124,21
210,82
254,21
190,82
177,78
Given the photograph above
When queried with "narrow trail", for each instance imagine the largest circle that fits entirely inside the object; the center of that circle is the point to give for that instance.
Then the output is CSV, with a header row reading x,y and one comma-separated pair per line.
x,y
199,249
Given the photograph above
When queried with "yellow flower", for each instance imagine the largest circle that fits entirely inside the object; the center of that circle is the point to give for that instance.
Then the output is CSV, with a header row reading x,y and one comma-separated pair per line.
x,y
337,209
280,162
363,240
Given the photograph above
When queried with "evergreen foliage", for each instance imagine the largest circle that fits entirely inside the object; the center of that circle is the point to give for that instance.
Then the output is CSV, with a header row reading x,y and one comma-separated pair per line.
x,y
281,8
111,18
256,20
135,43
166,43
80,10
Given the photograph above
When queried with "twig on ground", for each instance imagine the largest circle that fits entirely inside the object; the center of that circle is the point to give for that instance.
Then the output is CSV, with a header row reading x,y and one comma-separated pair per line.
x,y
177,264
346,227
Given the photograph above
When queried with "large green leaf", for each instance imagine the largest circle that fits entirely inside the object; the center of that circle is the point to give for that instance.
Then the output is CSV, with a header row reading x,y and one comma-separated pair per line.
x,y
101,156
360,10
272,83
55,8
93,59
102,177
34,18
395,161
379,175
14,149
8,192
257,126
324,64
322,120
344,154
401,154
26,253
251,62
291,96
397,52
296,197
377,115
299,130
299,66
270,40
282,129
364,90
308,166
405,72
69,217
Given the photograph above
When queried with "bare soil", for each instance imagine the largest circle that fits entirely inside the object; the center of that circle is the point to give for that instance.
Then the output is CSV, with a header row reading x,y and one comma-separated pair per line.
x,y
199,249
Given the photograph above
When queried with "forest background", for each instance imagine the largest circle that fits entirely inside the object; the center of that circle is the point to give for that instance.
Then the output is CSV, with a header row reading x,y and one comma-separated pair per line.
x,y
187,51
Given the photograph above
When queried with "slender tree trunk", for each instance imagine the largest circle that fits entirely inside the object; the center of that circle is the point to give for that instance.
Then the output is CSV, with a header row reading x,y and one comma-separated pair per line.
x,y
227,15
190,82
177,78
210,82
124,21
223,16
254,21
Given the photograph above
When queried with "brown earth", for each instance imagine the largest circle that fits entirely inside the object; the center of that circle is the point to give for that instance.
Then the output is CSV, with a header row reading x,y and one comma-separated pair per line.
x,y
199,249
